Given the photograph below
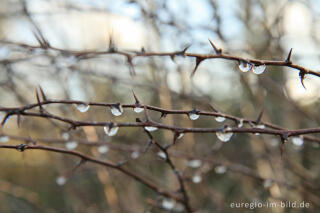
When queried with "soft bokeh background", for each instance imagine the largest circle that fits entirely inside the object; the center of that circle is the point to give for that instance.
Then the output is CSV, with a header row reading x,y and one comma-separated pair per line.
x,y
229,172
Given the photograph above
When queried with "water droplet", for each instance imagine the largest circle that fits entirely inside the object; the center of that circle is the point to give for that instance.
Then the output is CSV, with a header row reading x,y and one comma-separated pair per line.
x,y
4,139
267,183
220,169
4,52
162,155
195,163
220,119
65,136
138,109
180,135
150,128
260,126
83,107
245,66
61,180
135,154
193,116
116,110
71,145
224,136
111,130
168,204
196,179
103,149
240,124
259,69
298,141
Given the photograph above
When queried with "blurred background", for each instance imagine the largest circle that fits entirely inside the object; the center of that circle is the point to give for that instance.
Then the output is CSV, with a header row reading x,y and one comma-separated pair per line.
x,y
249,168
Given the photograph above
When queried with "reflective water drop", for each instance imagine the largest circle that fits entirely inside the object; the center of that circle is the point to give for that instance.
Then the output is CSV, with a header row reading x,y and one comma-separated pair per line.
x,y
150,128
220,119
4,52
193,116
135,154
245,66
260,126
298,141
224,136
103,149
180,135
220,169
4,139
195,163
138,109
111,130
61,180
116,110
168,204
65,136
267,183
240,124
162,155
83,107
196,179
71,145
259,69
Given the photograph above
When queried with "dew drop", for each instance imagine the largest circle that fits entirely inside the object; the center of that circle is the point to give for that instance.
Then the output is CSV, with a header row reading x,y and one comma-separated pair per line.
x,y
103,149
4,52
245,66
195,163
220,169
83,107
259,69
196,179
162,155
71,145
116,110
61,180
168,204
135,154
4,139
150,128
240,124
193,116
111,130
298,141
220,119
180,135
224,136
138,109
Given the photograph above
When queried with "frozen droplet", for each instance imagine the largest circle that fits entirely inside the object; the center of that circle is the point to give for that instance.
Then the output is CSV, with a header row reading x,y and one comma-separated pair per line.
x,y
71,145
240,124
267,183
260,126
245,66
162,155
4,52
103,149
116,110
111,130
196,179
61,180
259,69
298,141
83,107
180,135
220,119
195,163
138,109
150,128
135,154
224,136
220,169
65,136
168,204
4,139
193,116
